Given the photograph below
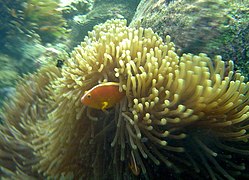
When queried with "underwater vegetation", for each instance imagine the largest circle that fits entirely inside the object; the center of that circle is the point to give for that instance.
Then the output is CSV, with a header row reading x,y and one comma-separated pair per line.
x,y
210,26
180,114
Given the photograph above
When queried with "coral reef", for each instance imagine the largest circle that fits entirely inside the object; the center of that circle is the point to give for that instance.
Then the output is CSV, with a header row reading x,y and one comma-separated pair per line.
x,y
25,27
90,13
213,27
77,7
45,19
31,57
181,115
32,18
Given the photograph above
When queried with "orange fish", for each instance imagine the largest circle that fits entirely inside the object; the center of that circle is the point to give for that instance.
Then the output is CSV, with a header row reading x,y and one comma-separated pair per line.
x,y
103,96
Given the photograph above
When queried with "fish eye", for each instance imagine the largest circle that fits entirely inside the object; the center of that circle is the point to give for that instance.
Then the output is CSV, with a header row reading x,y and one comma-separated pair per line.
x,y
89,96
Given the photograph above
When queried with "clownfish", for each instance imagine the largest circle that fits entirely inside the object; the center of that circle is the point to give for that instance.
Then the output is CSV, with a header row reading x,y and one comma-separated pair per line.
x,y
103,96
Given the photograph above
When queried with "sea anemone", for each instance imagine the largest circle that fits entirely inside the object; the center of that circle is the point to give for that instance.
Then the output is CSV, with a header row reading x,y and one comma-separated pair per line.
x,y
180,114
28,106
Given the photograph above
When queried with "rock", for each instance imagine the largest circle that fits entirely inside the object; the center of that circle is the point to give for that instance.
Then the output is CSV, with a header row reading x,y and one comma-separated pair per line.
x,y
209,26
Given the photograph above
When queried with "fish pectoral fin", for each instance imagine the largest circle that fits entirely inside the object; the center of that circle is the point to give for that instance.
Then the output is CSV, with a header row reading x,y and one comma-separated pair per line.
x,y
104,105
